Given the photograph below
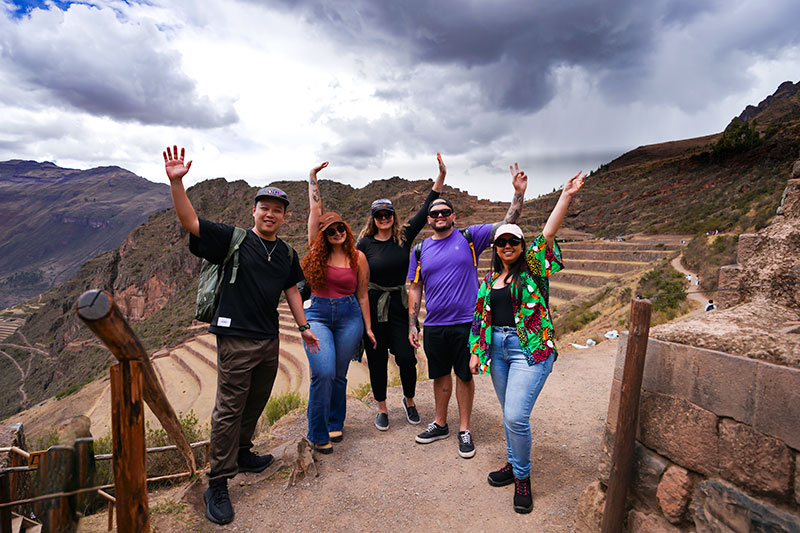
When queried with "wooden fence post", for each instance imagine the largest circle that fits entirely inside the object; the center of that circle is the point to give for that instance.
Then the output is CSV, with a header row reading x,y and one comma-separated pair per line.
x,y
627,418
56,474
130,454
86,469
5,497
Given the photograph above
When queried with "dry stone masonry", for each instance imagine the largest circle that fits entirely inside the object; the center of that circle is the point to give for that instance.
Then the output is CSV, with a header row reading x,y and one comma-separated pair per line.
x,y
718,443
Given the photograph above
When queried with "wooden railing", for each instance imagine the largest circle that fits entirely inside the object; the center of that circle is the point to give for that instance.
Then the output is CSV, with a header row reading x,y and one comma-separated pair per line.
x,y
65,480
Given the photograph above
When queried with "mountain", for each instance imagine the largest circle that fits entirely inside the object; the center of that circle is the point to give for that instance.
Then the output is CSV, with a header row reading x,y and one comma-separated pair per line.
x,y
684,187
53,219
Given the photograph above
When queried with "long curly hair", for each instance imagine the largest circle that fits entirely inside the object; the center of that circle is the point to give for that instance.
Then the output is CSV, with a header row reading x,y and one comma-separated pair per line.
x,y
370,229
315,262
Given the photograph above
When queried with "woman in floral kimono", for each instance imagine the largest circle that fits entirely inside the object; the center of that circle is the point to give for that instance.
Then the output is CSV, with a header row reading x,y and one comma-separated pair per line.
x,y
512,334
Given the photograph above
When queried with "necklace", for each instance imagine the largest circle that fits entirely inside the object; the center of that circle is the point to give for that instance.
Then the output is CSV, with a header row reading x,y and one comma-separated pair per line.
x,y
268,252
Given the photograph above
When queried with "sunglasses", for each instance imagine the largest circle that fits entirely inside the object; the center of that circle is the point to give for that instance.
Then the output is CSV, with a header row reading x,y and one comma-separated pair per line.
x,y
383,215
501,242
444,213
334,230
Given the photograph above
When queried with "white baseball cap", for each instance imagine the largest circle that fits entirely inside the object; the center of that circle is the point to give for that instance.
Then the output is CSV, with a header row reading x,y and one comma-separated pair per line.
x,y
508,229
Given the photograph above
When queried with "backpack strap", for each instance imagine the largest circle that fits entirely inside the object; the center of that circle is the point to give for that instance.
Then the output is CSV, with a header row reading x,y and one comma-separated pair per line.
x,y
467,235
418,255
238,236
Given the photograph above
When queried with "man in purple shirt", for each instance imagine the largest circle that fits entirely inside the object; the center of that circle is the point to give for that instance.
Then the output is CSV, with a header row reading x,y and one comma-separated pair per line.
x,y
448,275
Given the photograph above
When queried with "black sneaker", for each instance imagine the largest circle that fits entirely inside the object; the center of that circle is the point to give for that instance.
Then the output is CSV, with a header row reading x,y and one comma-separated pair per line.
x,y
523,499
250,462
382,421
433,432
218,503
411,413
466,448
502,477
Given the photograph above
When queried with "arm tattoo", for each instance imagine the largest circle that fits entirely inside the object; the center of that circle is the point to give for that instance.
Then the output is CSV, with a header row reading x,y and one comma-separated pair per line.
x,y
413,322
514,209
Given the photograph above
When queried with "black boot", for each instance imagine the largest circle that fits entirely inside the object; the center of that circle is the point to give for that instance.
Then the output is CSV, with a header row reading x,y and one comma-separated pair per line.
x,y
218,503
250,462
523,499
502,477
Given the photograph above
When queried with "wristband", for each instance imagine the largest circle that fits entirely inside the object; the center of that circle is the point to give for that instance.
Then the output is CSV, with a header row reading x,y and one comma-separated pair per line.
x,y
304,327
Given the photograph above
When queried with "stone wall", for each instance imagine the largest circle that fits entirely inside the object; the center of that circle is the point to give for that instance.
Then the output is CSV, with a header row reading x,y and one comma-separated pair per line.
x,y
718,445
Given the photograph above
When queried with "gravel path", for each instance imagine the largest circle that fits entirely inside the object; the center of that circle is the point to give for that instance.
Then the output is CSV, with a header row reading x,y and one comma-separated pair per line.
x,y
380,481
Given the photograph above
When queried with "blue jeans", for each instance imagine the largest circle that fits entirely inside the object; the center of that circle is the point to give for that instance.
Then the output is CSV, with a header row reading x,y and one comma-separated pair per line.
x,y
338,325
517,385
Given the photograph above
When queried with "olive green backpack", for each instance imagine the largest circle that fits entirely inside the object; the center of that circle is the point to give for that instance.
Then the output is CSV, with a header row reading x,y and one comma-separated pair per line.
x,y
211,278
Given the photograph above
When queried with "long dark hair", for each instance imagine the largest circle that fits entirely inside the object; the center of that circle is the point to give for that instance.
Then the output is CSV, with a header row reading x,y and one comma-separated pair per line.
x,y
515,269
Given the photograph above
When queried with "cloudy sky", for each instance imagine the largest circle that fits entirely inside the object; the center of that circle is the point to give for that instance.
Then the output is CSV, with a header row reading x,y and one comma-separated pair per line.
x,y
262,90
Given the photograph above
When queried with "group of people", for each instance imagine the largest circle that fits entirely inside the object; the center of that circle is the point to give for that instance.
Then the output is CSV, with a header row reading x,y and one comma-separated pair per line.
x,y
359,300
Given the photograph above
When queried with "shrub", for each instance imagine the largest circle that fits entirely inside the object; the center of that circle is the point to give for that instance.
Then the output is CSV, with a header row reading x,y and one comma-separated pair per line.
x,y
280,405
665,286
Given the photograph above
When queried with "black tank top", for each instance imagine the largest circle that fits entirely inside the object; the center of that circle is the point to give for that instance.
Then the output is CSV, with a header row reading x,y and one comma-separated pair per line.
x,y
502,312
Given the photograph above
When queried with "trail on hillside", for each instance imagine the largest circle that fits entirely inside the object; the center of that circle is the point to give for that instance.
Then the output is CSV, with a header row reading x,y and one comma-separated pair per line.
x,y
379,481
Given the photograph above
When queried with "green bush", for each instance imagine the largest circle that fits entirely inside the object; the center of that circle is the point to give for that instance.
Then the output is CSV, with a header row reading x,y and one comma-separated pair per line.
x,y
664,286
738,137
280,405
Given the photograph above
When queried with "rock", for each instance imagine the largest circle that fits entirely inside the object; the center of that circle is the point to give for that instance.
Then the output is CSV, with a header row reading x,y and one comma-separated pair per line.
x,y
753,460
647,469
680,431
604,464
718,507
673,493
11,435
77,427
591,504
639,522
729,277
748,246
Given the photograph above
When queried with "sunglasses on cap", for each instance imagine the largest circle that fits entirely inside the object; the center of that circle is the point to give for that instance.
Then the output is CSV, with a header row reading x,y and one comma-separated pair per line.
x,y
383,215
501,242
335,229
444,213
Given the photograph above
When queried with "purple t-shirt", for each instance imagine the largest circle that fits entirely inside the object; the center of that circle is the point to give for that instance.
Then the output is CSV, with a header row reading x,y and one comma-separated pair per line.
x,y
448,275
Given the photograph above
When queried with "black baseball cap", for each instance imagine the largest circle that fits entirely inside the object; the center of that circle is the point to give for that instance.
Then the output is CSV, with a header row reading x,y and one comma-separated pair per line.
x,y
272,192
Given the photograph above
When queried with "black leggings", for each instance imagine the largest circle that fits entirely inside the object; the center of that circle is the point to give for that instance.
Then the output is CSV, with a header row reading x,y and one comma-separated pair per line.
x,y
391,336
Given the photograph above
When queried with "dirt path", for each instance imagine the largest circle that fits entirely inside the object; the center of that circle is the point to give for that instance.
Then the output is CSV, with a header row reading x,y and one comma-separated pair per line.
x,y
379,481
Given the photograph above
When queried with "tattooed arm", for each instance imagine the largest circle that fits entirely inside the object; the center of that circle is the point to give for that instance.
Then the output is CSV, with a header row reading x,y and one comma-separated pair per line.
x,y
520,182
573,185
414,299
314,202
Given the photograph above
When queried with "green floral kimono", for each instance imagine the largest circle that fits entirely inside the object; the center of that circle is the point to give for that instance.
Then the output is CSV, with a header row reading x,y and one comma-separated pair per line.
x,y
532,317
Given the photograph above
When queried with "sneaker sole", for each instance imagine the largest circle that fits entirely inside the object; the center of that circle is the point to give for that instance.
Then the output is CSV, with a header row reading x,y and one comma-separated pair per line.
x,y
403,403
430,439
384,428
496,484
466,455
211,517
523,510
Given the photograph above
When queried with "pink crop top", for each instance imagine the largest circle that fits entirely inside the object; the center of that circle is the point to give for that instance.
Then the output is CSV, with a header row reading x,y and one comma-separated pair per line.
x,y
342,281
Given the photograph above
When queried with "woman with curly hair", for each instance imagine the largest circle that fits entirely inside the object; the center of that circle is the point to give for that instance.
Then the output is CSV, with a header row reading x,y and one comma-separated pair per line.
x,y
387,245
512,334
338,275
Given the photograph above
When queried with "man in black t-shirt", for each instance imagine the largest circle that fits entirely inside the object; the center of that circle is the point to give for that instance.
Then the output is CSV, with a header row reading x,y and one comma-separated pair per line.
x,y
246,325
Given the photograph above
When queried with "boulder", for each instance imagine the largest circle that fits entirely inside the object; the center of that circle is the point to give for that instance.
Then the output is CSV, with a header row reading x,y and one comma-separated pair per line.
x,y
753,460
717,507
674,492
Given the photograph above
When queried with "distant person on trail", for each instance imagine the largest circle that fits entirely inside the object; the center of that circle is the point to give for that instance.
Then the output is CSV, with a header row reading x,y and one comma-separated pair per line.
x,y
387,245
246,325
338,311
710,306
447,272
512,335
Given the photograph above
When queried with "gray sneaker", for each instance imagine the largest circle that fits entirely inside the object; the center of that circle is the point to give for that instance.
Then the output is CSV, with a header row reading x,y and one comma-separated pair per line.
x,y
466,448
382,421
432,433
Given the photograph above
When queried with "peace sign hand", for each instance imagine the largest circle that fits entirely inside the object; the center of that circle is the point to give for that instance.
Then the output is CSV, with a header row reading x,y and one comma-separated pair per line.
x,y
518,178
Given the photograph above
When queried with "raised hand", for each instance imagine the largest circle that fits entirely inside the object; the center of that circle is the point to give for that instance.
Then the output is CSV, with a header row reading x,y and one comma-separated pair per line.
x,y
442,167
318,168
574,184
518,178
173,163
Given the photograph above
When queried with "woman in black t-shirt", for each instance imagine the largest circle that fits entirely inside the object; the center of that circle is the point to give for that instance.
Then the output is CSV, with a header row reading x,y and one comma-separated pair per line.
x,y
387,246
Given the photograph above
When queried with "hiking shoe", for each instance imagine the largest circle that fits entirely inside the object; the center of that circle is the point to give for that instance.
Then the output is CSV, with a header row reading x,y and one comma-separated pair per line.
x,y
523,499
382,421
251,462
218,503
502,477
411,413
466,448
336,436
432,433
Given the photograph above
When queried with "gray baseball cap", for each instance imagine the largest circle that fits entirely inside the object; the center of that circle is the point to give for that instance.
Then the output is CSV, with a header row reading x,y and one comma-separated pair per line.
x,y
272,192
